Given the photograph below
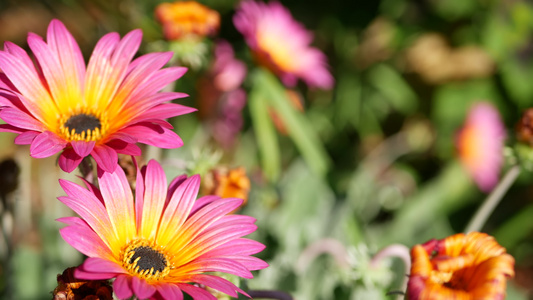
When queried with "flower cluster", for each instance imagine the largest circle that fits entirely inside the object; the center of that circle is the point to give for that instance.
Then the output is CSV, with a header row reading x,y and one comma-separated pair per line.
x,y
148,238
157,242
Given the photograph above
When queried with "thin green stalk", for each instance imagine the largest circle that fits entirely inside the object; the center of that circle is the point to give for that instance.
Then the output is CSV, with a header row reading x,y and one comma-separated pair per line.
x,y
490,203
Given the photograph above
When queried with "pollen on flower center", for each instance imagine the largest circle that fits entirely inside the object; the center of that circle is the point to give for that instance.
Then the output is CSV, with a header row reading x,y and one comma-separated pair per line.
x,y
146,261
81,127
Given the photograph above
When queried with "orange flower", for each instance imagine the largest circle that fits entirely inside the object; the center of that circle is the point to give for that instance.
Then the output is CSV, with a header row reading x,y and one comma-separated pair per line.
x,y
233,183
184,18
460,267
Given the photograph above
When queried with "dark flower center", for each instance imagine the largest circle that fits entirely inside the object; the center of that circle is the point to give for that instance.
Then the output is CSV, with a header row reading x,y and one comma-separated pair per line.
x,y
149,259
82,122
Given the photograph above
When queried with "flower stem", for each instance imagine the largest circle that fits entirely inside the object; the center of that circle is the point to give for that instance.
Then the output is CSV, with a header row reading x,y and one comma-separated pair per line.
x,y
490,203
262,294
395,250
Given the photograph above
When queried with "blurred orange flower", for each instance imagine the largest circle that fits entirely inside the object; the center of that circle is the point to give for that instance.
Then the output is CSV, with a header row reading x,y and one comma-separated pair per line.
x,y
185,18
461,267
228,183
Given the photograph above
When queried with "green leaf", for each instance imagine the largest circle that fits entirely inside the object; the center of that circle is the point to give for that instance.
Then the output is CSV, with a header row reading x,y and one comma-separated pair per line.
x,y
265,132
300,131
392,85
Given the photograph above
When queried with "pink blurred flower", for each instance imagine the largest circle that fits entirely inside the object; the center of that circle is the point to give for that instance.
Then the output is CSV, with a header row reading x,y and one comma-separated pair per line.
x,y
229,72
162,243
480,145
60,105
221,96
282,44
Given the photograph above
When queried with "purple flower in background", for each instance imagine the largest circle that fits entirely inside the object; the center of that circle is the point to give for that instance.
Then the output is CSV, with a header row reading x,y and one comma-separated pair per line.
x,y
221,96
281,44
480,145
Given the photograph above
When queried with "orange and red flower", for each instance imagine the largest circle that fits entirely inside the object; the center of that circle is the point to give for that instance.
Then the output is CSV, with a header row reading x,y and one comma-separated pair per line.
x,y
461,267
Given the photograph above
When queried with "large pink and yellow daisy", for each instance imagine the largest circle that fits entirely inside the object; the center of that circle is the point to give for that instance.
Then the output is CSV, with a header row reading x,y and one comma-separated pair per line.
x,y
480,145
164,242
58,104
281,44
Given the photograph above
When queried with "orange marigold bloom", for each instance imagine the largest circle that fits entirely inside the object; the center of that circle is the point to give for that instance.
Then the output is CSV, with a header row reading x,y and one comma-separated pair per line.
x,y
461,267
184,18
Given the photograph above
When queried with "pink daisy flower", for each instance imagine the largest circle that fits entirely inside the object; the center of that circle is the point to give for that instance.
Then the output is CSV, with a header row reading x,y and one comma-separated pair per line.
x,y
480,145
60,105
164,242
282,44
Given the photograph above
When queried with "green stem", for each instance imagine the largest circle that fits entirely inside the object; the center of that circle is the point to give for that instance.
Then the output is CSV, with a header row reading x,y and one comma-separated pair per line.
x,y
490,203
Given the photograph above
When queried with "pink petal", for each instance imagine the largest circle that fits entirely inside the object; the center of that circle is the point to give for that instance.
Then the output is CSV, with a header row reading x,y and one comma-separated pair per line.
x,y
196,292
209,214
50,66
123,137
138,106
123,147
82,148
155,192
69,160
170,291
157,81
217,283
100,265
250,262
238,247
80,274
139,71
118,199
26,138
46,144
176,182
16,117
85,240
154,135
105,157
74,221
177,210
68,52
11,128
27,81
203,201
217,264
93,189
139,196
122,286
141,288
165,111
217,235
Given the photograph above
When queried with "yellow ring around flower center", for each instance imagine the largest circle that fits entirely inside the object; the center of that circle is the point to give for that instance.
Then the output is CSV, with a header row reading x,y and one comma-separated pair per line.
x,y
83,125
145,260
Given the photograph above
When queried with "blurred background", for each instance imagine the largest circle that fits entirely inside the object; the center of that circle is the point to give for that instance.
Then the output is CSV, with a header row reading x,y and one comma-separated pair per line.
x,y
374,161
